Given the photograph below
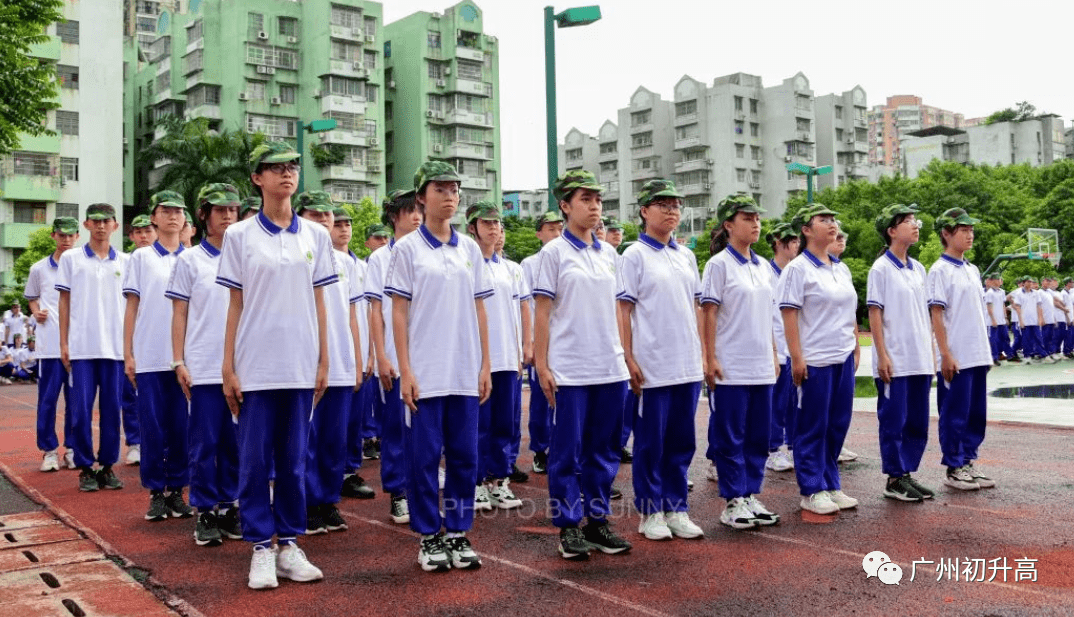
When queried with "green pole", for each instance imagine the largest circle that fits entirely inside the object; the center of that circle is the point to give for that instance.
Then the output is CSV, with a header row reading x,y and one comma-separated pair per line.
x,y
550,98
301,175
809,185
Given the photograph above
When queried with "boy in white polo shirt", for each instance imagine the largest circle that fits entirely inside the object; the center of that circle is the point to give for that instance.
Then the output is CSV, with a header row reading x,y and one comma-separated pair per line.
x,y
784,243
1030,316
962,353
44,300
1068,300
996,317
90,282
162,406
142,234
1016,326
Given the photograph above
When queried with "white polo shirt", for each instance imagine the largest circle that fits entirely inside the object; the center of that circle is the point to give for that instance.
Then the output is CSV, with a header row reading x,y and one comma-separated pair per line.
x,y
662,283
1014,313
442,282
503,313
276,347
583,347
17,325
147,275
1029,301
1068,300
41,286
898,289
97,308
337,303
742,287
956,286
777,317
1046,306
826,301
994,303
524,296
24,355
358,298
194,282
529,271
376,268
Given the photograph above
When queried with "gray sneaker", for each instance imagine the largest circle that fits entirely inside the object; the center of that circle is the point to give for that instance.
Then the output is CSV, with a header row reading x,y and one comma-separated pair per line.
x,y
158,508
106,479
960,478
206,532
177,506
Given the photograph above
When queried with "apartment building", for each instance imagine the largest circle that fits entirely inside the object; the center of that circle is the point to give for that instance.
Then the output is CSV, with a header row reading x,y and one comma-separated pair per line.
x,y
1036,142
900,115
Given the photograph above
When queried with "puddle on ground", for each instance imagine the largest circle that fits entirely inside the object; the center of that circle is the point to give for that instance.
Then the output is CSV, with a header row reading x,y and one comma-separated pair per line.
x,y
1063,390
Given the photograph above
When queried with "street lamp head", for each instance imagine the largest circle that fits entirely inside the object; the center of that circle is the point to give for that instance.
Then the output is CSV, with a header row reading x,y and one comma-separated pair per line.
x,y
579,16
319,126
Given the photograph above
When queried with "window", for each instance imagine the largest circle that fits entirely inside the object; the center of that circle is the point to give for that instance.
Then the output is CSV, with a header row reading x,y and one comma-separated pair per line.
x,y
686,108
474,104
69,169
755,129
286,58
370,59
344,121
389,145
803,124
610,147
436,102
203,95
738,103
343,86
29,212
686,132
67,31
255,90
839,134
753,106
574,154
436,70
740,151
344,191
740,174
346,17
468,69
271,126
265,55
370,24
371,93
642,139
803,103
164,81
287,26
194,33
641,117
467,134
67,122
609,166
70,210
68,76
838,112
193,61
287,94
740,127
755,153
344,50
433,38
255,24
369,128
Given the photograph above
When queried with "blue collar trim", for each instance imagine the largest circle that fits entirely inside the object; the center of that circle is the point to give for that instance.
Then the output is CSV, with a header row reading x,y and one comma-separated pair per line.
x,y
163,252
89,252
435,242
898,264
952,260
272,228
52,262
740,258
353,256
577,243
494,259
209,248
772,262
652,242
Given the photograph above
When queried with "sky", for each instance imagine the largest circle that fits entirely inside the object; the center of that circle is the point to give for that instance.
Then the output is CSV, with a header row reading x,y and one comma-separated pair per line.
x,y
969,57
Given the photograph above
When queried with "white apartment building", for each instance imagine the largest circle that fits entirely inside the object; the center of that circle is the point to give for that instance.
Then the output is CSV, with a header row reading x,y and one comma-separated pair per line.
x,y
1037,142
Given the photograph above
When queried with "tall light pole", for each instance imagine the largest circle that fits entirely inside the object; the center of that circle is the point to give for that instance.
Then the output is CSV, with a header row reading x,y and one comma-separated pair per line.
x,y
581,16
316,126
809,172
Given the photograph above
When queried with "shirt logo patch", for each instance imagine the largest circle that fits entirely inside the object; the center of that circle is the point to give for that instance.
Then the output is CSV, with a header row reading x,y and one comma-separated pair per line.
x,y
118,274
309,257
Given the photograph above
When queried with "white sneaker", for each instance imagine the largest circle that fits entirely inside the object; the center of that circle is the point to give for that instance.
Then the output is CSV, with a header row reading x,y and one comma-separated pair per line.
x,y
51,461
500,494
736,515
69,459
481,498
819,503
291,563
681,526
961,478
982,480
777,461
654,527
841,499
846,455
710,473
134,454
441,477
263,569
761,514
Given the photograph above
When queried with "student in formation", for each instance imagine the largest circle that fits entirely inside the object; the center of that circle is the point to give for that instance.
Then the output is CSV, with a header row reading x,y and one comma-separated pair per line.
x,y
1068,301
995,315
582,370
1014,307
376,236
44,300
658,289
784,243
818,301
962,352
250,207
549,227
444,366
147,351
837,249
496,425
1030,316
613,235
1054,301
402,215
902,360
91,308
741,360
25,358
327,445
142,234
186,234
523,329
197,335
275,362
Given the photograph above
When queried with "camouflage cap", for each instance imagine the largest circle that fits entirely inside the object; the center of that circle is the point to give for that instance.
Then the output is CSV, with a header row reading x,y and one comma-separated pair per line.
x,y
140,221
887,216
655,189
378,230
486,210
100,212
218,194
65,225
253,202
574,180
1066,280
806,214
189,219
434,171
552,216
781,232
611,224
315,201
168,199
341,214
395,196
953,218
733,204
274,151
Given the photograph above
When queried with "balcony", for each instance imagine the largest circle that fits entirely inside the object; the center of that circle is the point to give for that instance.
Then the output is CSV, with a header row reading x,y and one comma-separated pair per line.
x,y
49,50
687,142
861,146
353,173
348,68
474,182
653,171
342,32
30,188
608,176
608,156
694,165
469,86
205,110
194,80
344,104
703,188
640,152
645,127
461,116
40,143
162,96
349,138
685,119
17,235
470,54
466,151
805,136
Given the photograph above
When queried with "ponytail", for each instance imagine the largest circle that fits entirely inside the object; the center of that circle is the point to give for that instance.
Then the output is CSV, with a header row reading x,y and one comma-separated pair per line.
x,y
718,238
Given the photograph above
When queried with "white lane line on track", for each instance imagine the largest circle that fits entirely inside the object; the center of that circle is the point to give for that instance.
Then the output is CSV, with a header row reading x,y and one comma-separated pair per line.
x,y
18,402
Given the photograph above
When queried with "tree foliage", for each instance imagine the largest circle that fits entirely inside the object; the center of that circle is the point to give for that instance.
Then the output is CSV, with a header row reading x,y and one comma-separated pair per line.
x,y
363,214
28,86
39,246
1020,112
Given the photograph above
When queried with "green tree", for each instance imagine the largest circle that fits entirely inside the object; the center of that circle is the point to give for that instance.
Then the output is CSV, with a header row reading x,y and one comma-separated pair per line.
x,y
28,85
39,246
363,214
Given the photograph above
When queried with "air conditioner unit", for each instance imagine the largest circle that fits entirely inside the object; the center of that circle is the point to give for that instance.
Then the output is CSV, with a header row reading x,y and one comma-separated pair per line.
x,y
440,83
850,140
437,148
292,39
373,141
317,94
429,113
243,96
124,141
760,162
276,100
266,70
369,38
358,65
786,159
710,162
263,36
447,70
440,115
391,84
707,186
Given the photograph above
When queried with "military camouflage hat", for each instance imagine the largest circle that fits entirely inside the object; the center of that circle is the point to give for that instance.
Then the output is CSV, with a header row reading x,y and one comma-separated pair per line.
x,y
953,218
733,204
391,199
218,194
434,171
100,212
393,203
189,219
574,180
552,216
611,224
253,202
378,230
315,201
140,221
486,210
272,152
168,199
1066,280
341,214
65,225
887,216
656,189
806,214
780,232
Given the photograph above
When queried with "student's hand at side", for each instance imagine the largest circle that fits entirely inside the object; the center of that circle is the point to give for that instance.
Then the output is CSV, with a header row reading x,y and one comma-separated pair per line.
x,y
65,358
387,374
484,385
948,367
775,360
409,389
713,371
799,371
129,371
232,392
527,354
548,385
183,376
321,384
637,379
41,315
884,368
370,367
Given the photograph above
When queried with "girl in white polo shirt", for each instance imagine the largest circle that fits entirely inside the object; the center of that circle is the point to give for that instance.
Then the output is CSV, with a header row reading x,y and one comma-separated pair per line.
x,y
658,289
963,356
902,362
197,347
784,243
437,282
741,360
817,297
523,329
275,365
579,360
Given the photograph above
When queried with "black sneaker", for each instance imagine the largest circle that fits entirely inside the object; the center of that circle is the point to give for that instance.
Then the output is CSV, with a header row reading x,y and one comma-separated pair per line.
x,y
370,450
517,475
926,492
354,486
615,494
87,480
314,521
600,536
433,555
106,478
400,510
626,456
461,553
229,524
177,506
572,544
158,507
540,462
206,532
899,488
333,520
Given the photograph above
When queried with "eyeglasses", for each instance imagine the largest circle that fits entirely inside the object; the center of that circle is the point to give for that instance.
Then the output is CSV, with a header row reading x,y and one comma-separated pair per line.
x,y
915,223
282,168
666,207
